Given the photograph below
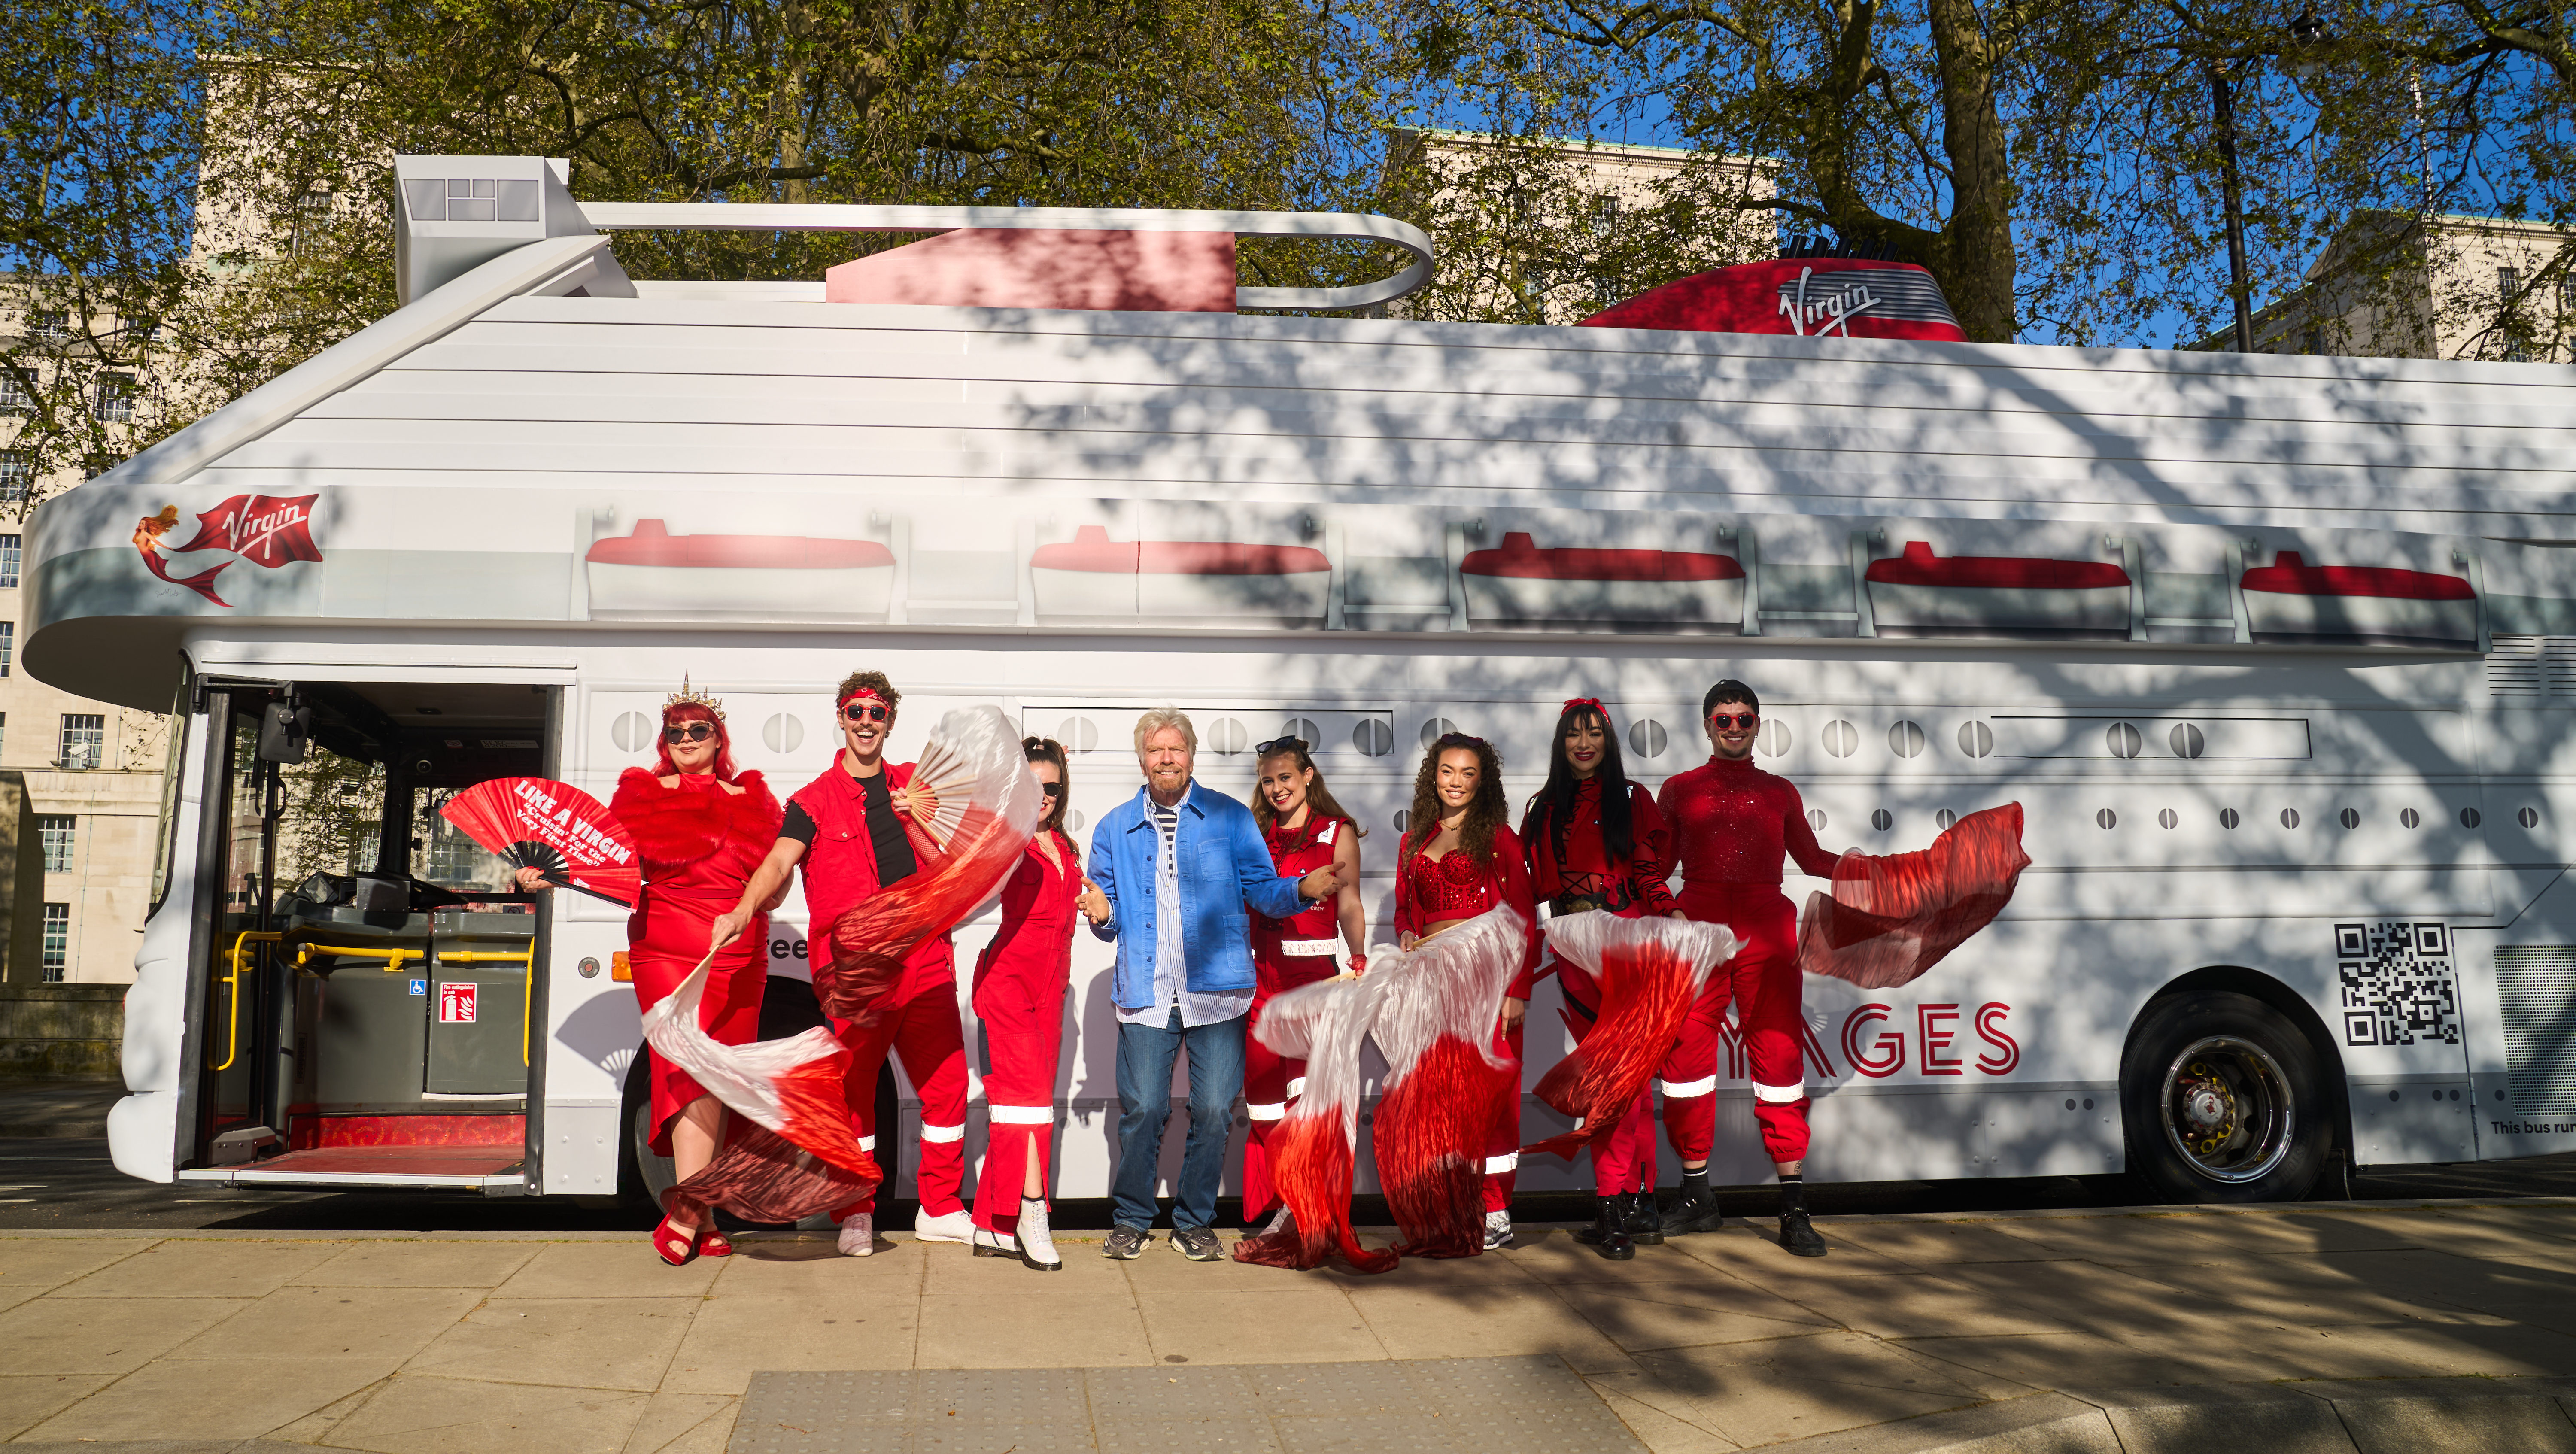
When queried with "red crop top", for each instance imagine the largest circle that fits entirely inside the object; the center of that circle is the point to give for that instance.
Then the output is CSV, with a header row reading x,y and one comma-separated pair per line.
x,y
1456,886
1732,823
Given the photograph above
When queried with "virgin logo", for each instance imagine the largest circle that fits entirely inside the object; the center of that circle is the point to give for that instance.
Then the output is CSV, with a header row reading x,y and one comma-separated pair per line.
x,y
266,530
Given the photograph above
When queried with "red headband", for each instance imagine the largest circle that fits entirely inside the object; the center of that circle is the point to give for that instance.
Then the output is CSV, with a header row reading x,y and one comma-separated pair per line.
x,y
855,693
1592,702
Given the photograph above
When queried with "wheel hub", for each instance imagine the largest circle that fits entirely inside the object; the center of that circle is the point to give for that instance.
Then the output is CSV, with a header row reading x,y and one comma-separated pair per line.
x,y
2226,1108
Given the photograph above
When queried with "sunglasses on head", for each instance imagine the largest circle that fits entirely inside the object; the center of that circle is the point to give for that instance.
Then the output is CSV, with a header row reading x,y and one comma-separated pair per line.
x,y
689,732
1279,744
1748,721
867,712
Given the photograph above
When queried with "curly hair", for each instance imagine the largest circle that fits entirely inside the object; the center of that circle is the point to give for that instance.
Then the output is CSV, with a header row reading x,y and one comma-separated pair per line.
x,y
1487,811
872,682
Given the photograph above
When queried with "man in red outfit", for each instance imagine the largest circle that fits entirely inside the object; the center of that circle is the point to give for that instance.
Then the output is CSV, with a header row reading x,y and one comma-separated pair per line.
x,y
1731,824
846,828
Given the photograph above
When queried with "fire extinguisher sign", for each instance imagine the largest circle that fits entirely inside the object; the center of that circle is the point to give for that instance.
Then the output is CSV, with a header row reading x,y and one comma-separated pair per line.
x,y
455,1003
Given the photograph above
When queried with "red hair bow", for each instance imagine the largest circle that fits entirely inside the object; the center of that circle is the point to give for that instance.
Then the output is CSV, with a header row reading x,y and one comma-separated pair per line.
x,y
1593,702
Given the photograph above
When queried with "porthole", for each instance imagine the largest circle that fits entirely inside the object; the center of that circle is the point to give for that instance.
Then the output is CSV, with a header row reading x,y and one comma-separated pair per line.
x,y
1073,820
1944,819
1882,820
1305,730
2227,819
2168,818
2289,817
2186,740
2124,740
1646,737
2528,817
1905,739
1774,741
1226,737
1816,819
632,731
1841,738
1372,737
1437,728
2468,817
1976,739
782,733
2349,817
2106,819
2409,817
1402,817
1078,734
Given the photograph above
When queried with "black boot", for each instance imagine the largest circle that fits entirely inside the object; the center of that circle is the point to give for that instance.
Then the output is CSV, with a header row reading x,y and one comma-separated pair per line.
x,y
1645,1222
1798,1235
1607,1235
1695,1210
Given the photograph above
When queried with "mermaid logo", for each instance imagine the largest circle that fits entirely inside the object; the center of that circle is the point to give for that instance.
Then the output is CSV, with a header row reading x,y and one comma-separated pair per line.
x,y
265,530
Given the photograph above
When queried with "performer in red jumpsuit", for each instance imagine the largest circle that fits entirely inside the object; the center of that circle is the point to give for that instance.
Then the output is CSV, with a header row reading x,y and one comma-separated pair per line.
x,y
1597,841
1019,999
1731,824
1460,858
1306,829
846,830
701,829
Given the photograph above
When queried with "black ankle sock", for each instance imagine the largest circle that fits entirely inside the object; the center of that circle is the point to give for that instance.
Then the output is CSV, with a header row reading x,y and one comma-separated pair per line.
x,y
1695,1183
1793,1193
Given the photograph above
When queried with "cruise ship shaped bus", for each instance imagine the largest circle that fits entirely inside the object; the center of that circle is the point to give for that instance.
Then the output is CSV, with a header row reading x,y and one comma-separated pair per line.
x,y
2278,656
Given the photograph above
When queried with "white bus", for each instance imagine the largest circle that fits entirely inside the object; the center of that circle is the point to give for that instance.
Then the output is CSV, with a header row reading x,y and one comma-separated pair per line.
x,y
2278,655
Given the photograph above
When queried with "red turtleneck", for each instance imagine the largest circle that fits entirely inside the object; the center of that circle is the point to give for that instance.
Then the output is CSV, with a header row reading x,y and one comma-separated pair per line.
x,y
1732,823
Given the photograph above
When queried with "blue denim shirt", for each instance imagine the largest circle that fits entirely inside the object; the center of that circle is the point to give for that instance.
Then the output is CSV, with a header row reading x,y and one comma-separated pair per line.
x,y
1224,867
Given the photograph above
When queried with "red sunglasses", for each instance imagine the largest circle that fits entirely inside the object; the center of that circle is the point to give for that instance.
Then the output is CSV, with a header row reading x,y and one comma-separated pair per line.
x,y
1748,721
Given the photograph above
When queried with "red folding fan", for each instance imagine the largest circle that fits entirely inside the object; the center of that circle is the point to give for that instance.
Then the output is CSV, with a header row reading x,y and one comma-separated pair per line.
x,y
555,828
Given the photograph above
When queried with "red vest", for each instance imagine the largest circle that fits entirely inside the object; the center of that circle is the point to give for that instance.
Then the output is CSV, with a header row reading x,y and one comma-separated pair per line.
x,y
841,864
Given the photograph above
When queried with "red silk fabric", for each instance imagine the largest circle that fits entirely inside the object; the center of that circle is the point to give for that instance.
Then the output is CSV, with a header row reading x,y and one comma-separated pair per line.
x,y
1891,917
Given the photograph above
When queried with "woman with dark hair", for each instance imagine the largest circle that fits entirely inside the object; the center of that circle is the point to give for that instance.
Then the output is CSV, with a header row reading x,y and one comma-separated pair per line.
x,y
1597,841
1460,859
1019,998
701,829
1305,830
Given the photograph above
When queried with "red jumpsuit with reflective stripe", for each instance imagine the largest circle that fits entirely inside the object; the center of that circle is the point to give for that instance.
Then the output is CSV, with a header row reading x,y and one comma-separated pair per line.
x,y
1732,823
1571,871
1286,953
840,869
1020,981
1455,886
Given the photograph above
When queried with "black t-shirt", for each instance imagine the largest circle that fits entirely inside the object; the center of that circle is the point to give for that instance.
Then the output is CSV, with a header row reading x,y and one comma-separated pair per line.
x,y
885,830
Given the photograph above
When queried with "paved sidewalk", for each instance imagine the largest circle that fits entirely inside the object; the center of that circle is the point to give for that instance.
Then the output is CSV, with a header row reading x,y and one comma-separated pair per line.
x,y
582,1342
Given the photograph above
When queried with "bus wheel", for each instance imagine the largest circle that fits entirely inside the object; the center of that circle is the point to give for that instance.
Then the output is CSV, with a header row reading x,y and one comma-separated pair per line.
x,y
2222,1101
642,1176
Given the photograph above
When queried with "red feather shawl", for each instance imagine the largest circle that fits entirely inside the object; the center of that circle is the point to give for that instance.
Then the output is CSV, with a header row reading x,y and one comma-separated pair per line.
x,y
684,833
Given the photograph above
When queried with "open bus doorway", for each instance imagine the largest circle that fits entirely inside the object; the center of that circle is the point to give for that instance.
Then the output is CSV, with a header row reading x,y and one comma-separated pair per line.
x,y
369,1007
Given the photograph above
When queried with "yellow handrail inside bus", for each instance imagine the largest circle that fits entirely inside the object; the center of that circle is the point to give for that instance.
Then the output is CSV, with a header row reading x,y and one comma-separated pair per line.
x,y
232,981
393,958
524,958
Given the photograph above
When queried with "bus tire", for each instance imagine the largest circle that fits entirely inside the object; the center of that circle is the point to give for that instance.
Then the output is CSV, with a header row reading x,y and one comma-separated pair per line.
x,y
2223,1101
642,1176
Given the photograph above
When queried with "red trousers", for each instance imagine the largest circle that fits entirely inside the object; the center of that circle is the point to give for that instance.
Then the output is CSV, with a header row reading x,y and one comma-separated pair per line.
x,y
922,1029
1623,1157
1503,1143
1762,981
1024,1042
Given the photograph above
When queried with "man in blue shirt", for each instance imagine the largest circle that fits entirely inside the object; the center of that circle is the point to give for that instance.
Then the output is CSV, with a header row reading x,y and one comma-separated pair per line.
x,y
1178,870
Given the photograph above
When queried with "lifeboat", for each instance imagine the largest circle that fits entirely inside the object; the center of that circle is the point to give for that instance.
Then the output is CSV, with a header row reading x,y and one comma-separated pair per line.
x,y
1093,578
2291,598
1519,584
652,574
1923,594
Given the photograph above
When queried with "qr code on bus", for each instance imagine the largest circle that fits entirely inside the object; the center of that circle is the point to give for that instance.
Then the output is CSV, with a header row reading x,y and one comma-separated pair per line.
x,y
2397,986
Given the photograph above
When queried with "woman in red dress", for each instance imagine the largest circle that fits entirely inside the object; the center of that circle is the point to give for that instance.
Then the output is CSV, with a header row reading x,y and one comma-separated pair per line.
x,y
1019,998
1596,841
1460,858
1305,829
701,828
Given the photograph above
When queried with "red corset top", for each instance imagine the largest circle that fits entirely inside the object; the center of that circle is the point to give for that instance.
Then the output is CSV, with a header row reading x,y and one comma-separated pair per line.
x,y
1454,886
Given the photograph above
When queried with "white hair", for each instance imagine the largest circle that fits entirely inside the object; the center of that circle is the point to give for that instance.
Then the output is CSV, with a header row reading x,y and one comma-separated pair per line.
x,y
1160,719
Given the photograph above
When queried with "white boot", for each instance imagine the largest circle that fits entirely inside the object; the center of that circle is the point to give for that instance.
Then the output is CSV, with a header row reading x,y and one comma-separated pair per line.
x,y
995,1244
1037,1242
956,1226
859,1234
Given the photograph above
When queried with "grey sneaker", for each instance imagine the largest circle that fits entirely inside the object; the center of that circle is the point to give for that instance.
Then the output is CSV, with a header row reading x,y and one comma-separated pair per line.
x,y
1198,1244
1125,1242
1498,1231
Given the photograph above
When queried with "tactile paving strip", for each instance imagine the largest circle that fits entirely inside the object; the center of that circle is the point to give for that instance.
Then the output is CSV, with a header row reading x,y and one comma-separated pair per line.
x,y
1532,1405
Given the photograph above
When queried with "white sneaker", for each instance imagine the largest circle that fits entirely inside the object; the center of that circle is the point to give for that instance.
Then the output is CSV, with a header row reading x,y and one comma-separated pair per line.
x,y
859,1234
1498,1231
956,1226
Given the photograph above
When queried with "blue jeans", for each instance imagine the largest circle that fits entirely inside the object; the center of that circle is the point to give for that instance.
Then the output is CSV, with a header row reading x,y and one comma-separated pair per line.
x,y
1145,1103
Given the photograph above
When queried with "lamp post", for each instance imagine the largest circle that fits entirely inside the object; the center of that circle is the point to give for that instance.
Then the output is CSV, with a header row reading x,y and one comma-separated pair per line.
x,y
2223,107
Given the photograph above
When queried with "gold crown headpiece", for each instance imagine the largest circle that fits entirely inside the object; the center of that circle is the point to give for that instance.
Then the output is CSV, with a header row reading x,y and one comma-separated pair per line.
x,y
684,697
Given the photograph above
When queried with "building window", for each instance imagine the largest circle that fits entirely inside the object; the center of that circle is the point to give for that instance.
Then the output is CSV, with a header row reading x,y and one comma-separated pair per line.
x,y
84,741
8,645
58,942
17,472
14,398
115,399
2508,283
55,831
8,562
52,326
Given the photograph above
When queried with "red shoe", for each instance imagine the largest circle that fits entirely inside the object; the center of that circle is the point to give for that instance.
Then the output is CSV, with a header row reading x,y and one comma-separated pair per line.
x,y
675,1247
712,1243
